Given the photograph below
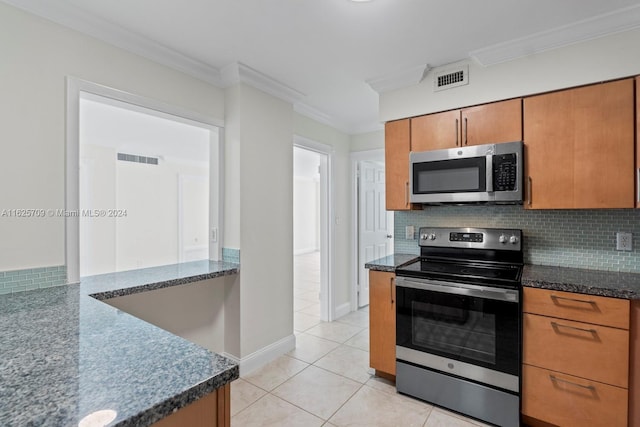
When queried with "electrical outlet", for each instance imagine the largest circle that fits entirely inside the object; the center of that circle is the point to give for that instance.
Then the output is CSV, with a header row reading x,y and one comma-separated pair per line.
x,y
624,241
409,232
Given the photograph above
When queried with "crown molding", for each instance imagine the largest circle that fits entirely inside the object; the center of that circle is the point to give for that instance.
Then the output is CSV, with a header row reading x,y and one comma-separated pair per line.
x,y
237,72
76,19
598,26
314,114
399,79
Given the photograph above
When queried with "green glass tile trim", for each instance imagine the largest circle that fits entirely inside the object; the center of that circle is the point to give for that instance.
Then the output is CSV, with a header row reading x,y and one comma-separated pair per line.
x,y
32,278
568,238
231,255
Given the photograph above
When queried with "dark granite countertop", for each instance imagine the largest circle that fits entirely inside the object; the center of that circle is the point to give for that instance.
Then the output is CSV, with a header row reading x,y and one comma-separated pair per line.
x,y
390,263
65,355
592,282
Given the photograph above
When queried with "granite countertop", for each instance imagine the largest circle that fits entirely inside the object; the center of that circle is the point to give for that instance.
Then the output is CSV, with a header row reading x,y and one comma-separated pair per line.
x,y
66,355
391,262
592,282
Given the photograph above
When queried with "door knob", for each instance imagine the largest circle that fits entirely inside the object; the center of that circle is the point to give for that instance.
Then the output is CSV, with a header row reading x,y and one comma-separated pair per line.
x,y
389,236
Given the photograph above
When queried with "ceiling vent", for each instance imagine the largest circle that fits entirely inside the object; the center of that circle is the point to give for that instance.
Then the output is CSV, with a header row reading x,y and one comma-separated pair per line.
x,y
137,159
451,78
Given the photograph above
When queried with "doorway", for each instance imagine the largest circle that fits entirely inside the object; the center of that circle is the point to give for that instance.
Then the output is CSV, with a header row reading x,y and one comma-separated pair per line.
x,y
311,234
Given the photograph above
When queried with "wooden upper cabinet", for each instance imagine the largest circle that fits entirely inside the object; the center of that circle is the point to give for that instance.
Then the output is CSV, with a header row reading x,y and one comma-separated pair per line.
x,y
397,144
483,124
637,180
435,131
492,123
579,147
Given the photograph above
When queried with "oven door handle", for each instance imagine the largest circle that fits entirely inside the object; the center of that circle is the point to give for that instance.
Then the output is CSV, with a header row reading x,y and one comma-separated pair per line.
x,y
476,291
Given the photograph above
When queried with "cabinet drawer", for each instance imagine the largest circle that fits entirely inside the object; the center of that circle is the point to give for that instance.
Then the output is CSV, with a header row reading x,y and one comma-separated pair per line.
x,y
568,401
585,350
582,308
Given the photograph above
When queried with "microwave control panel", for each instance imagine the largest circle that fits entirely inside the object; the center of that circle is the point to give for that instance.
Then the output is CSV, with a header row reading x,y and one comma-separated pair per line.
x,y
505,172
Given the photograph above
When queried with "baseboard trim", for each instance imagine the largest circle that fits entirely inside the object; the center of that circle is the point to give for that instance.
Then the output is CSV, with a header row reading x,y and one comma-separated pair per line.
x,y
342,310
261,357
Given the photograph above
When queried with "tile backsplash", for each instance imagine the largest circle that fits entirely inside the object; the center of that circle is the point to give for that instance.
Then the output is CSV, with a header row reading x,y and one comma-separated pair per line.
x,y
231,255
569,238
32,278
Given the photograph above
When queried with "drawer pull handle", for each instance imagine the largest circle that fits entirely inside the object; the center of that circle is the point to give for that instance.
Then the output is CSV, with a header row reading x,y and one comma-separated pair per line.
x,y
584,301
466,132
560,380
406,193
558,325
391,289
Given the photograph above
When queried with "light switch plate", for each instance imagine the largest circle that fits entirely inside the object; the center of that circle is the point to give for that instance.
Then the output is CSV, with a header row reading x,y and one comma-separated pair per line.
x,y
624,241
409,232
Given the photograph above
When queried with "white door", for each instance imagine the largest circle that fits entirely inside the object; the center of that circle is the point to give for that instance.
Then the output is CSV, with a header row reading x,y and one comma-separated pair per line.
x,y
375,237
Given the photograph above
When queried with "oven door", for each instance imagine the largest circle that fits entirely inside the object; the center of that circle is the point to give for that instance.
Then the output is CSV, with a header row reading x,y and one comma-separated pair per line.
x,y
466,330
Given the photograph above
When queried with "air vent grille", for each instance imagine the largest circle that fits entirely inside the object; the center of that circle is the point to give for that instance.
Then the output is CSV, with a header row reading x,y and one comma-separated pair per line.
x,y
137,159
451,78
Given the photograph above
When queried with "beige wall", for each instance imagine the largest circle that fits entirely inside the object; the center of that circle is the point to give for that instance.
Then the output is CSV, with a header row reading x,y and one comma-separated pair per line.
x,y
36,59
367,141
589,62
259,213
194,311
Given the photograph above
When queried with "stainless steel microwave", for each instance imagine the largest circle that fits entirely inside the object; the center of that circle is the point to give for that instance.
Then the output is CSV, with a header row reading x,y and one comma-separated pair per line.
x,y
491,173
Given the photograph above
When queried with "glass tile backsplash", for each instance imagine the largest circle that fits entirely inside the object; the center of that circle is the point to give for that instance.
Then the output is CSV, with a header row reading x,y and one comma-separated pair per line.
x,y
32,278
568,238
231,255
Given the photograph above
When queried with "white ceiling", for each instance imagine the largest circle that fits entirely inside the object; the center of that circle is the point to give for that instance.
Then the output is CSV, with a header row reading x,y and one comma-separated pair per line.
x,y
327,50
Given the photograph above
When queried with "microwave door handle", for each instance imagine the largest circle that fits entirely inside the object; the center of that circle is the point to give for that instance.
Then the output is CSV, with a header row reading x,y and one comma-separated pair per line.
x,y
489,178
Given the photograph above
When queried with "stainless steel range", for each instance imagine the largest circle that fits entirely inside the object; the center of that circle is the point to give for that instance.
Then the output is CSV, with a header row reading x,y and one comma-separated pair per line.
x,y
458,322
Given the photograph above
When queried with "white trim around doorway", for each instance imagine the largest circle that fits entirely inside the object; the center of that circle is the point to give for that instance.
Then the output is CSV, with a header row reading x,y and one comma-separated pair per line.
x,y
327,229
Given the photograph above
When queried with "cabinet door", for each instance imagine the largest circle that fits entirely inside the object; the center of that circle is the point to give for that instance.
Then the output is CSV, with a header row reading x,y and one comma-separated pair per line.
x,y
397,140
382,321
492,123
435,131
579,147
637,194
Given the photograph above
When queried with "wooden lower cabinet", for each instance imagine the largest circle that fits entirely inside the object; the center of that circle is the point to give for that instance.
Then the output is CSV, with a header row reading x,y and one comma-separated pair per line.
x,y
565,400
589,351
382,322
578,373
212,410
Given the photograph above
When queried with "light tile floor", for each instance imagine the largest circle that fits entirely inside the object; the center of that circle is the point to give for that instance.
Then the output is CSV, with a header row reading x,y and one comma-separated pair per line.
x,y
326,379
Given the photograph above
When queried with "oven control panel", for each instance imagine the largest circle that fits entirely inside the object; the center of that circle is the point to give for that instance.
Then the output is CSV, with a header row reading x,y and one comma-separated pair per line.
x,y
478,238
466,237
